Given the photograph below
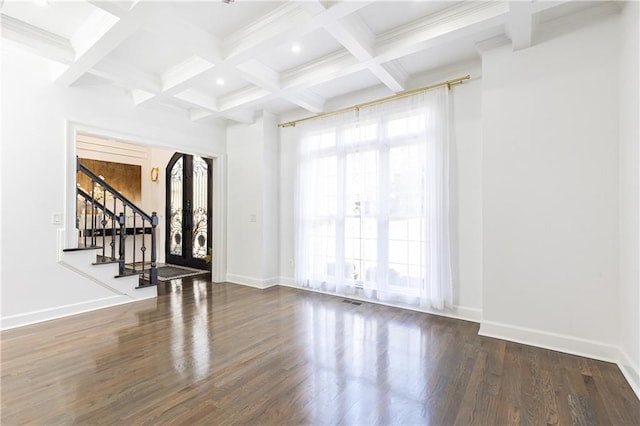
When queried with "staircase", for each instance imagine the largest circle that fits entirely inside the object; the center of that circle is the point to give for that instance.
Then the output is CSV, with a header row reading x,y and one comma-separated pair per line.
x,y
116,240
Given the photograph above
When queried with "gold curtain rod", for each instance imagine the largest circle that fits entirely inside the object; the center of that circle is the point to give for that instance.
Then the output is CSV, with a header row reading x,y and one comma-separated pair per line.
x,y
448,83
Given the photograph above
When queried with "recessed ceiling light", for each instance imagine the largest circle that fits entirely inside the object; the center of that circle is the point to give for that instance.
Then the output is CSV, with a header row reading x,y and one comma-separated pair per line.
x,y
296,48
220,81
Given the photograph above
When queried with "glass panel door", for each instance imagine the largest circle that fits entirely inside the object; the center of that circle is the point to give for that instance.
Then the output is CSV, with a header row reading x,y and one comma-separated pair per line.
x,y
175,201
200,208
188,210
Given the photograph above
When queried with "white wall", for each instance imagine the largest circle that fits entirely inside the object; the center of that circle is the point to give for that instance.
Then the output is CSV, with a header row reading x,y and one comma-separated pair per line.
x,y
253,203
466,180
629,158
34,144
271,199
244,201
550,192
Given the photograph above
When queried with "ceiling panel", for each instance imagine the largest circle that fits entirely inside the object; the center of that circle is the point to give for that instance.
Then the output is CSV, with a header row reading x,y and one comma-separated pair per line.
x,y
312,46
143,51
208,82
219,18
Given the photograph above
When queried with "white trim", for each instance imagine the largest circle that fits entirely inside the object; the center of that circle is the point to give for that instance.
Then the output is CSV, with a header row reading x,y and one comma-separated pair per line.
x,y
33,317
458,312
219,226
630,371
251,281
547,340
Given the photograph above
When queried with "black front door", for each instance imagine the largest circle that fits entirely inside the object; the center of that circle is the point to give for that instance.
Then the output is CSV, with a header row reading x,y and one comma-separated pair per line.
x,y
188,210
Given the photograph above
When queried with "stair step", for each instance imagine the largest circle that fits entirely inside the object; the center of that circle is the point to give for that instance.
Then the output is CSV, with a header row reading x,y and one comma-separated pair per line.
x,y
104,260
82,248
144,283
129,273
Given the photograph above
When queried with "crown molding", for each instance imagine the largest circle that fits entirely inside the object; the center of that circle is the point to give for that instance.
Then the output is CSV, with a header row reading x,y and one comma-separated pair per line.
x,y
48,44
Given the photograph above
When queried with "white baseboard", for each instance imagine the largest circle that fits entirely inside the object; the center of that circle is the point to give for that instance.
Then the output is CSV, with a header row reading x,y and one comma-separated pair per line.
x,y
62,311
251,281
458,312
555,342
631,371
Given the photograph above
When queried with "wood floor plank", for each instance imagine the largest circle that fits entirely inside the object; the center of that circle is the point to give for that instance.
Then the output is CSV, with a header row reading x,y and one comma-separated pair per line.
x,y
224,354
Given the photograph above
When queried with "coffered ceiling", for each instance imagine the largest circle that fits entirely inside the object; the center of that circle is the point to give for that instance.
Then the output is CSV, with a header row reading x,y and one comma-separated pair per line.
x,y
233,60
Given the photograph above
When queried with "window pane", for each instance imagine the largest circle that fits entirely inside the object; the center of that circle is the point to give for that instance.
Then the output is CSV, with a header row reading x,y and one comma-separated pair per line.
x,y
176,209
200,207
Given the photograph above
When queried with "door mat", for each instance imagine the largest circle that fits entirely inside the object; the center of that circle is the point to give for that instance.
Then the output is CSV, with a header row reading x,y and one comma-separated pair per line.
x,y
172,272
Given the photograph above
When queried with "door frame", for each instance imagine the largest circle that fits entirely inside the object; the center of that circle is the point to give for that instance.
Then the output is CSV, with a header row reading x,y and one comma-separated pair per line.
x,y
67,236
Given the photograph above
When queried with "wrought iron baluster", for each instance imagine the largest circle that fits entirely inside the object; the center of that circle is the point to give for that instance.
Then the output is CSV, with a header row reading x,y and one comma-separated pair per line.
x,y
93,213
84,229
143,247
121,220
104,224
113,230
134,241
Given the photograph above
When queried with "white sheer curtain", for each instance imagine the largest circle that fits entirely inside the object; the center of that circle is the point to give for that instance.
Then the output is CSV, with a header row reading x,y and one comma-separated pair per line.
x,y
372,201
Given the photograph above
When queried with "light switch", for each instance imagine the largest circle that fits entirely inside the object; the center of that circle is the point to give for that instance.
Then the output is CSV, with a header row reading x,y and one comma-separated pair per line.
x,y
252,217
56,218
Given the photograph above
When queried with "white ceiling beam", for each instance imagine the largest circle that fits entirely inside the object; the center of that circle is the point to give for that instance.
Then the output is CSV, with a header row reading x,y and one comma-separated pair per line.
x,y
115,8
91,30
42,42
305,99
111,39
244,116
240,116
180,74
455,22
269,79
391,75
198,100
539,6
520,25
196,114
491,43
127,76
141,96
356,37
242,98
270,29
178,78
260,75
331,66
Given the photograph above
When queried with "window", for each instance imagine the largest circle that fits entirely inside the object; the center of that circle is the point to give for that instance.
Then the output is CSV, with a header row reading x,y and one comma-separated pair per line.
x,y
365,203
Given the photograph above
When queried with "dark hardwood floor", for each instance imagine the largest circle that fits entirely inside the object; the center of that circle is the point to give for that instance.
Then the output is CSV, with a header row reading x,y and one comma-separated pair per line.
x,y
222,354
